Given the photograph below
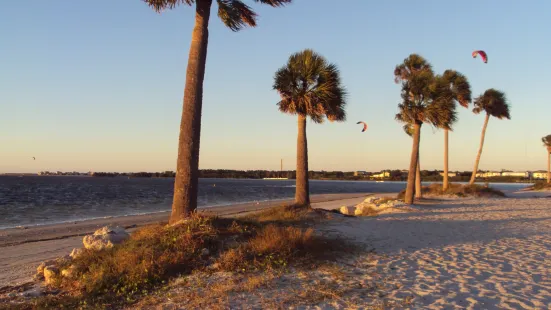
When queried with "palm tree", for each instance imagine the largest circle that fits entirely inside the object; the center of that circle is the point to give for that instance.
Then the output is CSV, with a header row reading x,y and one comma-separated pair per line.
x,y
494,103
235,15
424,100
547,143
461,93
309,86
408,128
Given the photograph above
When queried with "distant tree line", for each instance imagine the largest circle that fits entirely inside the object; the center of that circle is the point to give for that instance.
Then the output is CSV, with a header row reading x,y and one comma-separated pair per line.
x,y
395,175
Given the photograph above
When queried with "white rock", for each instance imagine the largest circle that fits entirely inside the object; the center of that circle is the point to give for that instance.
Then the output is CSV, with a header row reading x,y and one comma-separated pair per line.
x,y
346,210
50,273
105,237
35,292
364,208
69,272
76,253
370,199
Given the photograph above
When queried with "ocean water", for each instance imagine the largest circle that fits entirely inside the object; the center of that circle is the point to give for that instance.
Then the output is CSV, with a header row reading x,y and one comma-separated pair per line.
x,y
34,200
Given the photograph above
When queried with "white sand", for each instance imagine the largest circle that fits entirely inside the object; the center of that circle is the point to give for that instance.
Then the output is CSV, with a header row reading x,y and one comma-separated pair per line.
x,y
454,254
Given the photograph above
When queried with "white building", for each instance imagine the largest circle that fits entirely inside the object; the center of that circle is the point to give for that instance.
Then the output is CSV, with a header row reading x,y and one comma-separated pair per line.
x,y
384,174
540,174
515,174
488,174
450,174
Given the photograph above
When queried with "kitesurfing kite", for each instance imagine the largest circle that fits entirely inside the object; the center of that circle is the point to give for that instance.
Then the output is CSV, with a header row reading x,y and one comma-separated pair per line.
x,y
482,55
365,125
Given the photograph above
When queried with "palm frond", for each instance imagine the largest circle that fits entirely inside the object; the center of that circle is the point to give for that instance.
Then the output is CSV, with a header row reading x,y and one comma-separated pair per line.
x,y
310,86
493,102
546,141
460,87
235,14
274,3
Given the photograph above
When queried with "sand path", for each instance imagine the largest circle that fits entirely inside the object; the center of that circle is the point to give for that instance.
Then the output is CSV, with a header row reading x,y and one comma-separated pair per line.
x,y
455,254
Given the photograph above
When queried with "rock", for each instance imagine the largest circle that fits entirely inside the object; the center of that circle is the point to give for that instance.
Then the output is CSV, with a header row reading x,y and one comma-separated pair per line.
x,y
205,252
68,272
365,209
76,253
346,210
50,274
370,199
105,237
63,260
12,294
35,292
39,276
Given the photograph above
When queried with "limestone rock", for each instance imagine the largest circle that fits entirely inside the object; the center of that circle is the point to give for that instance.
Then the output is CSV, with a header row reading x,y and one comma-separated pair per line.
x,y
365,209
76,253
346,210
50,273
105,237
68,272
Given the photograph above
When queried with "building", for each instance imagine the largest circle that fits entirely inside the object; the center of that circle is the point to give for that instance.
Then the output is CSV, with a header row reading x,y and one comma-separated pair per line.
x,y
515,174
539,175
488,174
450,174
382,175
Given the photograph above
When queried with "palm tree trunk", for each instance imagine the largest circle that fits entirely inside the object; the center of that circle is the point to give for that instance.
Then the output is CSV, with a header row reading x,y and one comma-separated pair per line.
x,y
302,194
477,161
418,190
410,188
445,183
187,167
548,167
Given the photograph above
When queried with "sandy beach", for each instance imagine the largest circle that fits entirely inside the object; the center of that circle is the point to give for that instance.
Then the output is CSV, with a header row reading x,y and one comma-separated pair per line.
x,y
22,250
454,253
451,253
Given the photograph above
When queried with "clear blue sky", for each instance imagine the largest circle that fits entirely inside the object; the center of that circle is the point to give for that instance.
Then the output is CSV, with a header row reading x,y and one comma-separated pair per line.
x,y
97,85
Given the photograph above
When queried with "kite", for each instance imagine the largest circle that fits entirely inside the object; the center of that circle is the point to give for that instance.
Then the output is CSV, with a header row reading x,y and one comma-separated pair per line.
x,y
365,125
482,55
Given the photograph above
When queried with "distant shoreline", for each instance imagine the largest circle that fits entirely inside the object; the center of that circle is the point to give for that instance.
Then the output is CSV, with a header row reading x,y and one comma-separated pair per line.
x,y
426,180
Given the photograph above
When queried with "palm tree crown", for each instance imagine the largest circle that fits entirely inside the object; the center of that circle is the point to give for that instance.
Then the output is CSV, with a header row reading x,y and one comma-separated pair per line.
x,y
426,97
233,13
460,87
546,141
310,86
493,102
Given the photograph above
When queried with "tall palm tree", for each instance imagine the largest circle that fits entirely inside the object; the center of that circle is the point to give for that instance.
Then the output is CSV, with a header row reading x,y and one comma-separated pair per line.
x,y
461,93
494,103
309,86
424,100
408,128
235,15
547,143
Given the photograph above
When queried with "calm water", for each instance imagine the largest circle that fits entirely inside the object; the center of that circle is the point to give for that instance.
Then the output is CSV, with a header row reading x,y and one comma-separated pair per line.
x,y
37,200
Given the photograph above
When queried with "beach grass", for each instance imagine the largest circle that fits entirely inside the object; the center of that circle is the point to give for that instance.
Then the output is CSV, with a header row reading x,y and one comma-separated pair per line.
x,y
457,190
154,255
539,186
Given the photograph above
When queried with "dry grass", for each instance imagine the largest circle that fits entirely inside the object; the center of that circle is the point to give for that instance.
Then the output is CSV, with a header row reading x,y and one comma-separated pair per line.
x,y
287,215
458,190
538,186
155,254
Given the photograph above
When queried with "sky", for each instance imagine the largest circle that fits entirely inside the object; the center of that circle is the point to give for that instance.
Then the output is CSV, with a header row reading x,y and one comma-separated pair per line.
x,y
98,85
